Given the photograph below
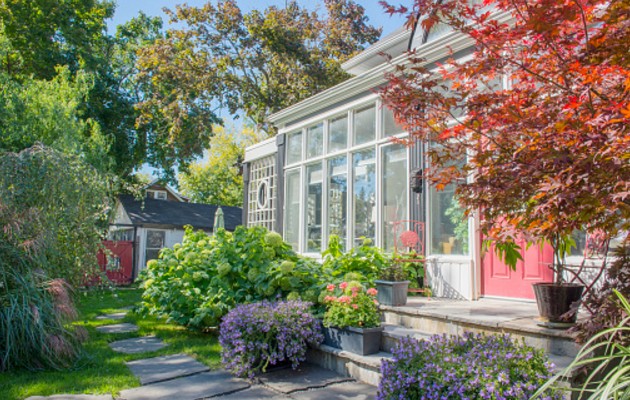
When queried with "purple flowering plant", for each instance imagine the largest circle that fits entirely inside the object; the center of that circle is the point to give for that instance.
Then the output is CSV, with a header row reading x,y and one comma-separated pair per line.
x,y
254,336
464,367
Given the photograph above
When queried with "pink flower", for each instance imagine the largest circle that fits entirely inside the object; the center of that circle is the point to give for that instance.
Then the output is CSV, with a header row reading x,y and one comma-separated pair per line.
x,y
372,292
409,238
355,289
345,299
330,287
355,306
343,285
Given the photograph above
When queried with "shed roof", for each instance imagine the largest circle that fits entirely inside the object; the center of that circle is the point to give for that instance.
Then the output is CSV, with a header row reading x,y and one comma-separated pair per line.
x,y
152,212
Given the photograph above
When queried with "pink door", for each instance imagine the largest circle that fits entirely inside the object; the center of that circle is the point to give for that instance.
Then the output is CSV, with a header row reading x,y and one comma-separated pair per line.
x,y
497,279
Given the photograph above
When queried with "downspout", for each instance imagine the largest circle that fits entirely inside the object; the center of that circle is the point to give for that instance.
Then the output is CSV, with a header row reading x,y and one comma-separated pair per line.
x,y
134,255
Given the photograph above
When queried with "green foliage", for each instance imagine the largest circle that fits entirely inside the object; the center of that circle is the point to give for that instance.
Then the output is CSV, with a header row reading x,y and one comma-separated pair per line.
x,y
34,111
456,214
198,282
254,64
350,305
218,179
40,35
607,357
53,211
365,260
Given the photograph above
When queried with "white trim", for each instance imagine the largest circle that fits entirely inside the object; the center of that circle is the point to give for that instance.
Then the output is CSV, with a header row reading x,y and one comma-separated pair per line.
x,y
396,42
166,187
260,150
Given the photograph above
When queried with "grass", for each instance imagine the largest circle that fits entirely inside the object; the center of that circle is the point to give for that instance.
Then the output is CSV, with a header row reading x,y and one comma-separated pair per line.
x,y
100,370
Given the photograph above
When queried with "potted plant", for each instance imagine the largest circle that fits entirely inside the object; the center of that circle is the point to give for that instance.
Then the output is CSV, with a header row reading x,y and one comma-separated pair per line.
x,y
558,301
352,321
393,286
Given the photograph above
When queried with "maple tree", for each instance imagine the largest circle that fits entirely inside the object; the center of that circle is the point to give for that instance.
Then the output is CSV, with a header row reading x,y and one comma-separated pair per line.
x,y
549,151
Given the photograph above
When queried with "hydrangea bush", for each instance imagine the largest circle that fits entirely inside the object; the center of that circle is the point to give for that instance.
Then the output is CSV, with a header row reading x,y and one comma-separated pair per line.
x,y
464,367
256,335
198,281
350,305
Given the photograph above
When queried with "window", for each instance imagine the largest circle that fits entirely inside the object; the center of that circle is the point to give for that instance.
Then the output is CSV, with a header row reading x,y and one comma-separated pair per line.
x,y
337,197
155,242
315,141
395,196
292,209
364,191
338,134
365,125
294,147
314,208
449,226
390,127
157,194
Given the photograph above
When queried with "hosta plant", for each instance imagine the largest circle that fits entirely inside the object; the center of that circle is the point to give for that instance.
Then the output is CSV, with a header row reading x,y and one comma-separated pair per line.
x,y
464,367
254,336
350,305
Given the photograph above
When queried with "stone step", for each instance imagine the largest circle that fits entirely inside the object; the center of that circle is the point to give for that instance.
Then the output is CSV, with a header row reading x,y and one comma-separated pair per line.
x,y
431,321
366,369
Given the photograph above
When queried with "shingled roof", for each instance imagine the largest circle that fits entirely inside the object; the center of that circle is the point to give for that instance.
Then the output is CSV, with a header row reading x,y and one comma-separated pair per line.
x,y
160,213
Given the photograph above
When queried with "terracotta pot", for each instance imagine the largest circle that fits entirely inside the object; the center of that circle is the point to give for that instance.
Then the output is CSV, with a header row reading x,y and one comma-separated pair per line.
x,y
554,300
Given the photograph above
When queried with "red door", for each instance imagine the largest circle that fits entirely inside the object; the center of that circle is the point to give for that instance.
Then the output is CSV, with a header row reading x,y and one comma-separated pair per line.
x,y
119,264
497,279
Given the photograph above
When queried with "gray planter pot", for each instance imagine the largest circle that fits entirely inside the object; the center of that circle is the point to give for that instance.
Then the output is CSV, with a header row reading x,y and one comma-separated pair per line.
x,y
361,341
392,293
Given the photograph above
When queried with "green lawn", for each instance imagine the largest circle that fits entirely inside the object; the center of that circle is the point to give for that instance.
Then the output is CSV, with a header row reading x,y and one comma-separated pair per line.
x,y
101,370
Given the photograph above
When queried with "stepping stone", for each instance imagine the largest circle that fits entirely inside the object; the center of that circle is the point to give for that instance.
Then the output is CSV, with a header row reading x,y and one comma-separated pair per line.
x,y
341,391
138,345
305,377
115,316
73,397
204,385
117,328
255,393
156,369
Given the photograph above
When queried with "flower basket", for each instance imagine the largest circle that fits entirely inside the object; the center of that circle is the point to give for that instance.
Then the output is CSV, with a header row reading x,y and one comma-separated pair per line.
x,y
361,341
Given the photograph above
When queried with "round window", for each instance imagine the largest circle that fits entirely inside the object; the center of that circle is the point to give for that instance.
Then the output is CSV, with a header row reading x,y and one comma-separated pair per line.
x,y
263,194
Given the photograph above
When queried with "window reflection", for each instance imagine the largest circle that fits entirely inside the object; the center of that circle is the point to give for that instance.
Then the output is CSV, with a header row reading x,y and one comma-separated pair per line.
x,y
364,175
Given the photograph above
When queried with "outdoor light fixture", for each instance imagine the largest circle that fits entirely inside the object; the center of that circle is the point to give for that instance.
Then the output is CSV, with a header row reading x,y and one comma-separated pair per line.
x,y
416,181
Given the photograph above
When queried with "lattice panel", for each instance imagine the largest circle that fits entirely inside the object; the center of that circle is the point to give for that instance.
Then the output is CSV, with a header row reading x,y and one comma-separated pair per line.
x,y
261,202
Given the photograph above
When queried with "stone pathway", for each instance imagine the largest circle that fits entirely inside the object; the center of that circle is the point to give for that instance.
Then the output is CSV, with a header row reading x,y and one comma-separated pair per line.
x,y
182,377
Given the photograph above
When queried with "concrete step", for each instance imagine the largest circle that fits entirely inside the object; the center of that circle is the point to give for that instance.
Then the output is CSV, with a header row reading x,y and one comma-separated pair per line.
x,y
366,369
430,321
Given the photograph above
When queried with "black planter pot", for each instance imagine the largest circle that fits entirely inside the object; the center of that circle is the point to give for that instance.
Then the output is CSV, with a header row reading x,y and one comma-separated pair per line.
x,y
555,300
361,341
392,293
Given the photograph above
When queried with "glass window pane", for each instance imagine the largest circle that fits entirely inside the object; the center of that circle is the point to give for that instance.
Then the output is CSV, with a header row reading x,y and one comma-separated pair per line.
x,y
449,227
364,191
315,141
155,239
390,127
395,183
365,125
337,196
338,134
314,208
294,147
292,209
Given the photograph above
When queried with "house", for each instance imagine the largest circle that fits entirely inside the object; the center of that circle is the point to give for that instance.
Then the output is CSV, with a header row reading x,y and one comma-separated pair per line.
x,y
157,221
333,169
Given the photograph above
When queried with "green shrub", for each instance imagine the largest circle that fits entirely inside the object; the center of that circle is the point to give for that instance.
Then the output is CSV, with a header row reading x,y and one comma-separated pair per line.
x,y
198,282
364,262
